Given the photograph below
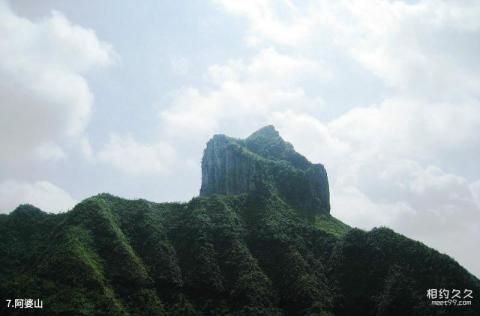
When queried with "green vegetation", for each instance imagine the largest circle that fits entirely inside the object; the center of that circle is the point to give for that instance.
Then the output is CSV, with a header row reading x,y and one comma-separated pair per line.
x,y
264,163
250,253
217,255
331,225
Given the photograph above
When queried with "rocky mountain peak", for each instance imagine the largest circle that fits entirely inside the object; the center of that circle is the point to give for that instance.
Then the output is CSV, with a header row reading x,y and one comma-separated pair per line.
x,y
264,162
266,132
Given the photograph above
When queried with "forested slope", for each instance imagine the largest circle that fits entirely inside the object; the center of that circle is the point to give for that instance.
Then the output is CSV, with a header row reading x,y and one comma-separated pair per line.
x,y
254,250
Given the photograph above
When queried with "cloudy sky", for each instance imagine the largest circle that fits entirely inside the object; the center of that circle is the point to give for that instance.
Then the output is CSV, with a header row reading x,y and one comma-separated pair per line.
x,y
121,97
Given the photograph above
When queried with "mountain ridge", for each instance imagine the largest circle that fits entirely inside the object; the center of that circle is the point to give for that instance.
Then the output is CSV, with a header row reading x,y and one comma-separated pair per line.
x,y
248,252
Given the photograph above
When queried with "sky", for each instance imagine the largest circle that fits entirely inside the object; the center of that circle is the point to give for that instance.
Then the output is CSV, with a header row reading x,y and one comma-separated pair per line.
x,y
122,96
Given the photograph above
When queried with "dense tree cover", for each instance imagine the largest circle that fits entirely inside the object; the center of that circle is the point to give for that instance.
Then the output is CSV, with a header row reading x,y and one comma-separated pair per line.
x,y
219,255
259,252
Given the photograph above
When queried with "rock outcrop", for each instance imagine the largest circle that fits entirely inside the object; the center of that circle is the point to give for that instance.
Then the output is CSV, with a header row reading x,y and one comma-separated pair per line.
x,y
264,163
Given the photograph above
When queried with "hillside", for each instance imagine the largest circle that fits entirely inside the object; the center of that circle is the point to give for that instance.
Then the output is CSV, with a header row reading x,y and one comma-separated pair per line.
x,y
259,240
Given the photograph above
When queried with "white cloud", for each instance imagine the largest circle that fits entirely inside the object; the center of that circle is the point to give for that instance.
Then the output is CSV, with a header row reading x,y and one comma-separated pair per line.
x,y
239,97
420,48
375,180
46,102
410,46
355,207
45,96
49,151
243,96
475,188
411,127
387,162
41,194
130,156
271,67
266,20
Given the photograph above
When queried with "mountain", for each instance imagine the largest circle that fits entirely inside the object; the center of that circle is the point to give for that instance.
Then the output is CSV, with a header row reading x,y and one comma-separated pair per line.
x,y
259,240
264,162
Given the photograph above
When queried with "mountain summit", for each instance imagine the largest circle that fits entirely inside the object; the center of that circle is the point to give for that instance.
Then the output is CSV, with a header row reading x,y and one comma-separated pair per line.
x,y
264,162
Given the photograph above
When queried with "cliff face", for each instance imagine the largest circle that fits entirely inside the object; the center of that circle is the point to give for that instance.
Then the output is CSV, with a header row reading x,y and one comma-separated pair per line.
x,y
264,163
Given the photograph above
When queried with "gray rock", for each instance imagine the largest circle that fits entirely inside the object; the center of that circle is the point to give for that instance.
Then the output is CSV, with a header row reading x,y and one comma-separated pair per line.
x,y
264,163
